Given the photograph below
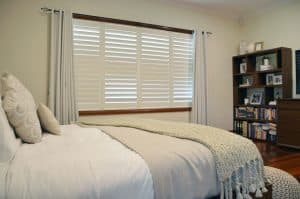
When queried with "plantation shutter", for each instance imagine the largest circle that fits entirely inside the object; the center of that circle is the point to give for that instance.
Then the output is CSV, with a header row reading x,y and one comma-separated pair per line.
x,y
155,68
182,69
124,67
87,53
120,66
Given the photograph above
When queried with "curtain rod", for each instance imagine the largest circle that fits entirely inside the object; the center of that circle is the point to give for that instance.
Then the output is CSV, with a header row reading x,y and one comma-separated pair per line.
x,y
45,9
130,23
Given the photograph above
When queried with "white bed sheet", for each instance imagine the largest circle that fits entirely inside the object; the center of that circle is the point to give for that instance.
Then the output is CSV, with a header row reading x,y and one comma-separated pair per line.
x,y
82,163
86,163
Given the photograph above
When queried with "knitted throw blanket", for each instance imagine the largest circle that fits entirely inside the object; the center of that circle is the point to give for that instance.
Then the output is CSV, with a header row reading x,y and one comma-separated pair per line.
x,y
238,162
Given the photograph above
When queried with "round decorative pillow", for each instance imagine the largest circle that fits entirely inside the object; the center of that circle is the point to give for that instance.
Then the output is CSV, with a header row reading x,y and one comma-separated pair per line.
x,y
284,185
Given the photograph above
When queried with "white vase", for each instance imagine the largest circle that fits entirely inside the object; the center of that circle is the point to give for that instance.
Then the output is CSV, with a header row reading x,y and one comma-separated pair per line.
x,y
243,47
250,47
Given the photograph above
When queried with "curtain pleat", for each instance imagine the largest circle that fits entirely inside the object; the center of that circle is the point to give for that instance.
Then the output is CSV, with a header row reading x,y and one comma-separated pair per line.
x,y
62,97
199,101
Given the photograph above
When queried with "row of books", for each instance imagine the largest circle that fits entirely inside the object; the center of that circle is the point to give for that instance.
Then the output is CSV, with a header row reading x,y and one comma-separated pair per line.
x,y
260,131
256,113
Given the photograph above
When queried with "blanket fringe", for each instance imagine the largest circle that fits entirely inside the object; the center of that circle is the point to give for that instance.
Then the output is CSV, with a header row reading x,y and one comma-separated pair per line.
x,y
247,179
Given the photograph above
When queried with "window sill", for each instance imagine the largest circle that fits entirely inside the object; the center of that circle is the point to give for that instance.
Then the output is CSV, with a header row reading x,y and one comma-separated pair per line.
x,y
134,111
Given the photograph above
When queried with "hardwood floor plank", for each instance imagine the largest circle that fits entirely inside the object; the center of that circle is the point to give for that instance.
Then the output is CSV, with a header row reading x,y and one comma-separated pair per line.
x,y
283,158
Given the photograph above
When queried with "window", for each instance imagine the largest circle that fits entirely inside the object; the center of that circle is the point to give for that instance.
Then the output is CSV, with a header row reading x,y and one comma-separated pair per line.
x,y
129,67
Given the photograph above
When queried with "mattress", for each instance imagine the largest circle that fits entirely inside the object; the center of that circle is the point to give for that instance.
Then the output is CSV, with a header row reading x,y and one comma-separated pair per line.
x,y
87,163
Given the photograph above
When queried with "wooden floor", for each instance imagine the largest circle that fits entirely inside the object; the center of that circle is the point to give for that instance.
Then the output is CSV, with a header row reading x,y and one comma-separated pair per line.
x,y
280,157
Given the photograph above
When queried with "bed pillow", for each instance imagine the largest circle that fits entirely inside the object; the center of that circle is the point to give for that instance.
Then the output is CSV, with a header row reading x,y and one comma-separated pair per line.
x,y
47,119
20,109
8,141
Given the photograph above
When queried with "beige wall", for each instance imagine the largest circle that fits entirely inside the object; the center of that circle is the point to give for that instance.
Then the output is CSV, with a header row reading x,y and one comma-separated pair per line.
x,y
277,26
24,39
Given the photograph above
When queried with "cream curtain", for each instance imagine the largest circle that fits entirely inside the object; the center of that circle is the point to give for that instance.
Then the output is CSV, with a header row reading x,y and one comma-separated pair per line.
x,y
199,102
62,98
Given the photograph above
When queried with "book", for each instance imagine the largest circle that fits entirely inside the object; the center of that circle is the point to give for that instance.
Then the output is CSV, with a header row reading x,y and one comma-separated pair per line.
x,y
256,113
256,130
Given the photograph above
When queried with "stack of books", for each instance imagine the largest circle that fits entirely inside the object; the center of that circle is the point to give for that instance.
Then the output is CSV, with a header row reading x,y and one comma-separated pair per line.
x,y
256,113
255,130
272,134
240,127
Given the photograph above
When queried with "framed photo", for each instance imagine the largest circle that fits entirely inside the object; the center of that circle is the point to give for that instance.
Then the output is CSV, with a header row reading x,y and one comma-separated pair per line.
x,y
256,98
277,79
243,67
269,79
259,46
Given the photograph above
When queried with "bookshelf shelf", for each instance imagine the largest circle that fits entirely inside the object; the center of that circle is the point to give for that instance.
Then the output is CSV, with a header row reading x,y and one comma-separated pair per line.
x,y
255,120
258,72
243,74
265,127
270,71
261,86
256,106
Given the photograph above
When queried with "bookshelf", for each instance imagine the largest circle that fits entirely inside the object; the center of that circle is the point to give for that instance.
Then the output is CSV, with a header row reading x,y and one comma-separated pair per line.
x,y
261,78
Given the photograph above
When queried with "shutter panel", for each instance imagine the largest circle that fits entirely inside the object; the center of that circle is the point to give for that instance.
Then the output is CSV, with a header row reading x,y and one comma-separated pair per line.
x,y
86,47
120,66
155,68
182,69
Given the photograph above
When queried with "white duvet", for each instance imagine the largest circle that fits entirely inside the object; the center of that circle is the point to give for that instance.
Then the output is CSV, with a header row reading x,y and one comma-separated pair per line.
x,y
85,163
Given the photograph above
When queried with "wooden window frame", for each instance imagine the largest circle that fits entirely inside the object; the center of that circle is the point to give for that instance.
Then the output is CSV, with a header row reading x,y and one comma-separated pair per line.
x,y
138,24
134,111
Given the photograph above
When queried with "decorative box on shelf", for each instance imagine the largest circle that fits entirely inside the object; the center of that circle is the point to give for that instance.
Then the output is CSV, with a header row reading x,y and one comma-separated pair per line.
x,y
266,67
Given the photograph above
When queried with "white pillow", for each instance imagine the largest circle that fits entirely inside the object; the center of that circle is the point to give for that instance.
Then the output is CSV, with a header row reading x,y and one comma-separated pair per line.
x,y
47,119
20,109
8,141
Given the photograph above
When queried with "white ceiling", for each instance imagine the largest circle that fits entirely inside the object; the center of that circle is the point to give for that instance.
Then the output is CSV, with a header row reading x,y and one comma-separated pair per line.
x,y
234,8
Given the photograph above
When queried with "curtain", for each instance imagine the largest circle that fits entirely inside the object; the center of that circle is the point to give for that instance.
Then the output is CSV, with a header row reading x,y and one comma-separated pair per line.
x,y
199,101
62,98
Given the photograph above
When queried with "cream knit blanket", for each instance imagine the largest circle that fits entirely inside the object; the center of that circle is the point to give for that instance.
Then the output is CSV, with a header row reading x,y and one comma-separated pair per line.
x,y
238,161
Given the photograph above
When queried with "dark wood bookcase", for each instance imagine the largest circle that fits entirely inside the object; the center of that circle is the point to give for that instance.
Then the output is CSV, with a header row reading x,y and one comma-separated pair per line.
x,y
282,65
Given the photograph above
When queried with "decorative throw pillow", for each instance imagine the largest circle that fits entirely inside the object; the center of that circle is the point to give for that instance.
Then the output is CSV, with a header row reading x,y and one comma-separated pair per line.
x,y
20,108
48,121
8,141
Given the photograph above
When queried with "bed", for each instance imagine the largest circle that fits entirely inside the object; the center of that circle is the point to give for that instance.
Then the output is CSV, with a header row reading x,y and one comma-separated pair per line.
x,y
87,163
114,158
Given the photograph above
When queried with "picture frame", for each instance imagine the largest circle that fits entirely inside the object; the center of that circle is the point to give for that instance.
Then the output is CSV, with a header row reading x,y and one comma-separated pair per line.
x,y
256,98
277,79
258,46
269,79
243,67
